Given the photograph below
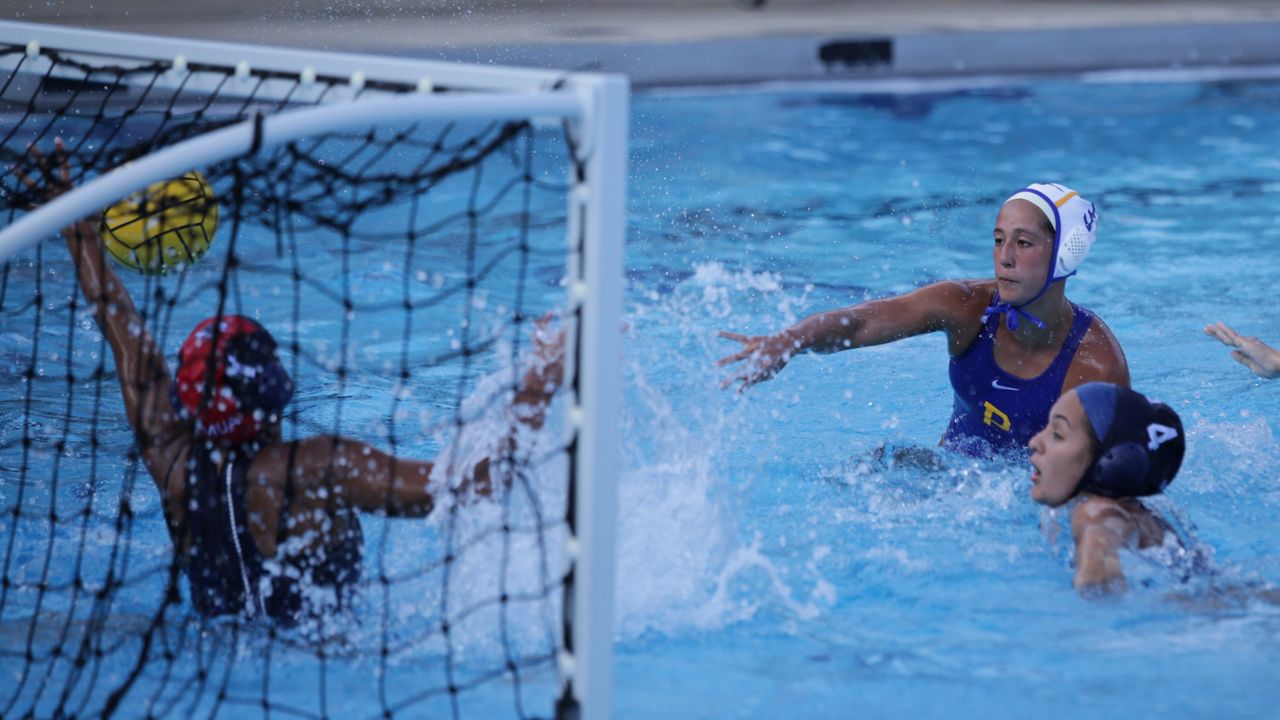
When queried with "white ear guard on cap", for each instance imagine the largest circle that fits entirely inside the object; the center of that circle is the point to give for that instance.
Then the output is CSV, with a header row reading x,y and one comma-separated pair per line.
x,y
1074,220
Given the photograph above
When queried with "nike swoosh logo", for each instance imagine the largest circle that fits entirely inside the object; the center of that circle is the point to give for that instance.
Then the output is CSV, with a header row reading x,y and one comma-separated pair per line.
x,y
996,384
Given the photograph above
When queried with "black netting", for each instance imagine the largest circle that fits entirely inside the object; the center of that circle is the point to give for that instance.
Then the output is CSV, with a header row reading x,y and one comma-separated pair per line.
x,y
400,269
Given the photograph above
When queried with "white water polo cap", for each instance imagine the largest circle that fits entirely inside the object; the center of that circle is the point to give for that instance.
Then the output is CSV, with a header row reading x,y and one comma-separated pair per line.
x,y
1075,227
1074,221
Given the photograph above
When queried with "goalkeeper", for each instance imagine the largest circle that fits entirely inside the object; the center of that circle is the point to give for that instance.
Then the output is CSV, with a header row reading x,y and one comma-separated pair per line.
x,y
263,527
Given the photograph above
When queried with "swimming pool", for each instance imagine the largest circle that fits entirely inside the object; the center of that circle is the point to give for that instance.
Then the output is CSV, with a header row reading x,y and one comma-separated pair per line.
x,y
768,565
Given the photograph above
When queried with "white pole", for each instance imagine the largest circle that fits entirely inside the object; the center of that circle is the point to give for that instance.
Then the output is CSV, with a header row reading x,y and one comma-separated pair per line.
x,y
238,139
599,456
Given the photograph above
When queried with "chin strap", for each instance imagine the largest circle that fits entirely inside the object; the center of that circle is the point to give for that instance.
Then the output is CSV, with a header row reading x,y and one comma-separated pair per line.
x,y
1011,312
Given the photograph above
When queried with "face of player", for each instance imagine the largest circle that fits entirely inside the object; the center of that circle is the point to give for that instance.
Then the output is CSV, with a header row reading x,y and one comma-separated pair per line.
x,y
1023,251
1061,452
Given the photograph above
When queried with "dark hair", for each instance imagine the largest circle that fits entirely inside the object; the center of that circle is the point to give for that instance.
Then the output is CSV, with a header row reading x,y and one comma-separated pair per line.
x,y
1095,443
1047,225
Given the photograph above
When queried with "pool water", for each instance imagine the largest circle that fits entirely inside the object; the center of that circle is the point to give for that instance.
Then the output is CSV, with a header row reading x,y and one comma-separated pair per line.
x,y
769,564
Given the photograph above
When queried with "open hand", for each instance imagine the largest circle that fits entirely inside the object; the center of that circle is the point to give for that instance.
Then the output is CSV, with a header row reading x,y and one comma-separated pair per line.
x,y
765,355
53,171
1251,352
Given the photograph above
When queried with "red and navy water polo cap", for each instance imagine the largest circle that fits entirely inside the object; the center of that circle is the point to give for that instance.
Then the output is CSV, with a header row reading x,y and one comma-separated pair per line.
x,y
249,387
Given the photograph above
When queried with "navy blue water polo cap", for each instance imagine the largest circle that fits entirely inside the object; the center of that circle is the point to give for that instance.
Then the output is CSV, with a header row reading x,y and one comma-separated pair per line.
x,y
1141,443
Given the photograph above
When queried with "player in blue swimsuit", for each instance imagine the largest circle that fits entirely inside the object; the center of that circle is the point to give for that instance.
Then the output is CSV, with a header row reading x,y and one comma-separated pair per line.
x,y
1016,342
262,527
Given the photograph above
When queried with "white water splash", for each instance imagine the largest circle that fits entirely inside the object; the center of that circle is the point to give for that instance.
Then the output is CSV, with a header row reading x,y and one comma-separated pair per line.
x,y
684,560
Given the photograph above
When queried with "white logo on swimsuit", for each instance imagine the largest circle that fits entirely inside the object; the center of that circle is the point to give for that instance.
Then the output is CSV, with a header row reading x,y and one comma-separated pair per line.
x,y
996,384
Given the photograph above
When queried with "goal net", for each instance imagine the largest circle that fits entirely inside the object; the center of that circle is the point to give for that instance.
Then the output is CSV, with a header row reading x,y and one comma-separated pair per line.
x,y
410,233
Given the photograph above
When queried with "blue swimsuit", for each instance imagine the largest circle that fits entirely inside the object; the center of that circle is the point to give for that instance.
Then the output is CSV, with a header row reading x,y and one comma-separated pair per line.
x,y
227,572
996,412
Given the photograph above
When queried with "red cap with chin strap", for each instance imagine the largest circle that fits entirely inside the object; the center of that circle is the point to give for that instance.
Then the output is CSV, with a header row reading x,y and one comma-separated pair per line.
x,y
230,380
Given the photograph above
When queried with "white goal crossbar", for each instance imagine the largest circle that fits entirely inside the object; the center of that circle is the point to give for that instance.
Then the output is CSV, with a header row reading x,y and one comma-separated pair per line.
x,y
130,49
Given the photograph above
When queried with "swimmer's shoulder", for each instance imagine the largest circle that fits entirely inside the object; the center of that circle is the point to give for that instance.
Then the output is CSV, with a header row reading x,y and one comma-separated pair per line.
x,y
1128,518
312,461
960,300
962,304
1092,513
1098,359
1153,529
969,292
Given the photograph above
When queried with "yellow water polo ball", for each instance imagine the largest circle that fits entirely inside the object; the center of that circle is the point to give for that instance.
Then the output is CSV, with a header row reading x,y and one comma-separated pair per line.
x,y
168,225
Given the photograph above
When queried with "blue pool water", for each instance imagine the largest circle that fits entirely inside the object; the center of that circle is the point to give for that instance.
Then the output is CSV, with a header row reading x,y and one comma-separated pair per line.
x,y
768,565
771,568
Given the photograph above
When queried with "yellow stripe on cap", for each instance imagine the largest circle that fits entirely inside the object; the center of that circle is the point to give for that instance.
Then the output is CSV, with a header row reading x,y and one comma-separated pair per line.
x,y
1063,200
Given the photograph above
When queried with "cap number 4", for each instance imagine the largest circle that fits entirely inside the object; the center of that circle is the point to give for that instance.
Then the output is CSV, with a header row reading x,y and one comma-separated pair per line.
x,y
1158,435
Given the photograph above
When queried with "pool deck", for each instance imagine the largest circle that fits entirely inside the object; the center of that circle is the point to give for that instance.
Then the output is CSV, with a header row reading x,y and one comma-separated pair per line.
x,y
680,42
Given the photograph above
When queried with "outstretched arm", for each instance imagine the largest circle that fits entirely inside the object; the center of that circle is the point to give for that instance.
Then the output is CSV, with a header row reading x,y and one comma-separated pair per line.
x,y
1251,352
353,473
953,306
375,481
144,375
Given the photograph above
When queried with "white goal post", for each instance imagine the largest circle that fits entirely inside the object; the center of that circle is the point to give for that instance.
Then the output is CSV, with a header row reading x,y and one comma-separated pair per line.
x,y
596,109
